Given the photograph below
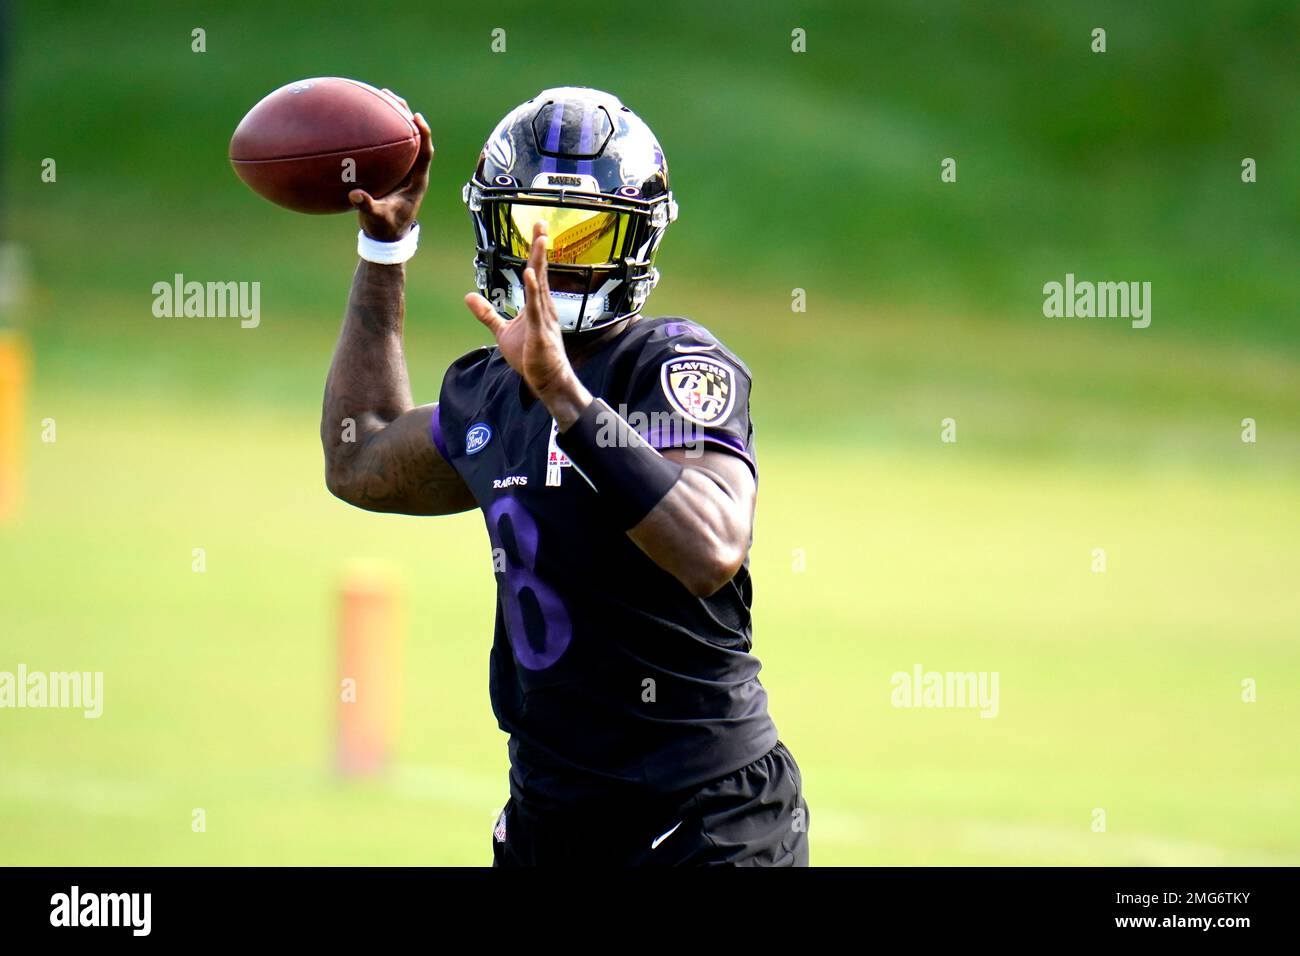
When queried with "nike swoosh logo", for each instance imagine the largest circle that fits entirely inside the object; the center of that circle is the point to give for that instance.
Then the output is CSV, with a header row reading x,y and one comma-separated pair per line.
x,y
664,836
694,348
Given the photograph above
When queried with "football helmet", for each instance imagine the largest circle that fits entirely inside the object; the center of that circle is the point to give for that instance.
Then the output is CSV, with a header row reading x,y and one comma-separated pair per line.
x,y
591,169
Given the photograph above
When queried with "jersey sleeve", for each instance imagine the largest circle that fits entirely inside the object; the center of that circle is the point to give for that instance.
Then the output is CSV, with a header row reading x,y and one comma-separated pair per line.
x,y
461,395
688,391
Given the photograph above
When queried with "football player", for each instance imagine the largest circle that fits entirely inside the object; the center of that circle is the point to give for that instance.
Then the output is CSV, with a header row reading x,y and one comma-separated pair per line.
x,y
612,457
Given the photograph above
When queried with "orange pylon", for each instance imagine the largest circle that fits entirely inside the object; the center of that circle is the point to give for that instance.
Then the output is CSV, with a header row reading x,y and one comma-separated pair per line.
x,y
371,636
15,363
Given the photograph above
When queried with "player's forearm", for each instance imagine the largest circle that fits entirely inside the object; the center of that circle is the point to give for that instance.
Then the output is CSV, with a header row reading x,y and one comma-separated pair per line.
x,y
699,532
367,387
691,514
379,449
565,399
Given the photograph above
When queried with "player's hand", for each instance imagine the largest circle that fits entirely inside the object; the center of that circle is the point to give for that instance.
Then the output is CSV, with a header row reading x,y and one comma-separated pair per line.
x,y
532,342
389,218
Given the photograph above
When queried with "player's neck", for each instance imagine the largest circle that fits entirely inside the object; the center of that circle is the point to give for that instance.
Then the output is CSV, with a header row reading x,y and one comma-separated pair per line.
x,y
583,345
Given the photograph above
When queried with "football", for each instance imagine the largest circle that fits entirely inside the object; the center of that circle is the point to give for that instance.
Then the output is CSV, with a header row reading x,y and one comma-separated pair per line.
x,y
307,145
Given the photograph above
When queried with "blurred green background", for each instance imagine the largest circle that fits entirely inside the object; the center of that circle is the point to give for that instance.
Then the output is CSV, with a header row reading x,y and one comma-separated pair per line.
x,y
817,171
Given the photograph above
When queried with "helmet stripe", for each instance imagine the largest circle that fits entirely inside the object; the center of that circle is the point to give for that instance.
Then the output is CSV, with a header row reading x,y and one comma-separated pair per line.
x,y
584,140
553,135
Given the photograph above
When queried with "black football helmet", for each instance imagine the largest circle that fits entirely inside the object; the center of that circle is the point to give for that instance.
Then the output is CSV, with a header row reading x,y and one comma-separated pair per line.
x,y
586,165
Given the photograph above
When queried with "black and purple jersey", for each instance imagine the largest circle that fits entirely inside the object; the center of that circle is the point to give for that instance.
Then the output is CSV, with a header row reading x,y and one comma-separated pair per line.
x,y
606,672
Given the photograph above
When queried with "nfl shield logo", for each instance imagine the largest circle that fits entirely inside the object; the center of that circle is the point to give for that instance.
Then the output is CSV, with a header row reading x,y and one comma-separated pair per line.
x,y
499,834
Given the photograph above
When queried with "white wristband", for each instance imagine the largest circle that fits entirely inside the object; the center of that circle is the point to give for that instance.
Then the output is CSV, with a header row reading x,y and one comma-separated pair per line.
x,y
389,253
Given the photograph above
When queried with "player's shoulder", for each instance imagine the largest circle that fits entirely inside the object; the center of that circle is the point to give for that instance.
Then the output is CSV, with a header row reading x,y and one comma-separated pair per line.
x,y
475,359
475,367
472,380
654,341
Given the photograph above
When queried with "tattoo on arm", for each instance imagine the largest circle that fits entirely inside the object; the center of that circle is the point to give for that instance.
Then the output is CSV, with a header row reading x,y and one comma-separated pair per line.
x,y
379,454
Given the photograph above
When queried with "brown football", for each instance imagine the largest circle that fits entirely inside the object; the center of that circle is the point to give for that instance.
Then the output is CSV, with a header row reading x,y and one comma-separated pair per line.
x,y
308,144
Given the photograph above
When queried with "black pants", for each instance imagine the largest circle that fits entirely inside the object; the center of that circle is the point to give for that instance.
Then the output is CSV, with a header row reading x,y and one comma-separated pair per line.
x,y
753,817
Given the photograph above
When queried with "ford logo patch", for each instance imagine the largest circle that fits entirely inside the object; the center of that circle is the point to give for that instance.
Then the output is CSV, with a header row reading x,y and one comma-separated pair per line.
x,y
477,437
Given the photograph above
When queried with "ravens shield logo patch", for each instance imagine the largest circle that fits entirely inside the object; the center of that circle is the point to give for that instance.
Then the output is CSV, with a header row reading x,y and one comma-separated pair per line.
x,y
702,389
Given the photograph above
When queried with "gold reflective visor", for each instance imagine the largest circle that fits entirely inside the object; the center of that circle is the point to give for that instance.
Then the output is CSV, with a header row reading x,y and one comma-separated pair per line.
x,y
579,236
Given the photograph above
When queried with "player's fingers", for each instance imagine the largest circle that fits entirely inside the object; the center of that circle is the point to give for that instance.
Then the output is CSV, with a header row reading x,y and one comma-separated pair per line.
x,y
538,307
417,179
537,251
543,274
362,200
482,310
398,98
426,138
425,156
537,256
539,294
532,294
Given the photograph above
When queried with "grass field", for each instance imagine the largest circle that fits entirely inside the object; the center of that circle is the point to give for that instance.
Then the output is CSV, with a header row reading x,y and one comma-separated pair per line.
x,y
1120,690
